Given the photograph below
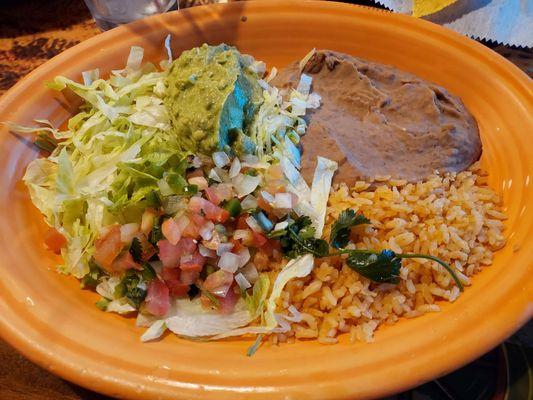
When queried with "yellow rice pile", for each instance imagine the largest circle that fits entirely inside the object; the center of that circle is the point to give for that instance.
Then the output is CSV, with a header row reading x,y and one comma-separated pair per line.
x,y
456,217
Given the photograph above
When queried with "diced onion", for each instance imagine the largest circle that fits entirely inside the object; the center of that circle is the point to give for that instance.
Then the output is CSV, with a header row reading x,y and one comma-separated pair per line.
x,y
250,273
223,174
214,176
313,101
304,86
205,252
196,162
235,168
283,200
298,106
224,248
206,231
245,184
252,223
249,202
281,225
90,76
199,181
242,281
267,196
220,159
244,256
135,58
249,159
229,262
128,232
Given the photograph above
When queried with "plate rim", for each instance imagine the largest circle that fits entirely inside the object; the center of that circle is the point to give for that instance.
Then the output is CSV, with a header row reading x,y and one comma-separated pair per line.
x,y
110,385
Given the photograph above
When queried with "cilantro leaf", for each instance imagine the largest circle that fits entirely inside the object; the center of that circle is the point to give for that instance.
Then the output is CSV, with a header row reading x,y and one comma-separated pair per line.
x,y
92,278
298,239
156,234
340,232
128,287
382,268
148,273
136,250
153,199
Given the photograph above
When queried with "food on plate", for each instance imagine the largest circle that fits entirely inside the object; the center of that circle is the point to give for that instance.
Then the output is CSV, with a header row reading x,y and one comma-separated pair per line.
x,y
212,97
378,120
176,194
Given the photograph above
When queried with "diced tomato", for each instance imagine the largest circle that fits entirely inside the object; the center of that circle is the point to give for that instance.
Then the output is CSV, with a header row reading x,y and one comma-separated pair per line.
x,y
275,186
259,239
182,221
169,274
195,264
237,246
227,303
264,205
177,288
54,240
157,298
108,247
187,246
218,282
171,230
170,254
148,250
217,194
211,211
188,277
172,276
212,195
270,246
224,191
194,224
123,262
246,240
241,222
274,172
198,220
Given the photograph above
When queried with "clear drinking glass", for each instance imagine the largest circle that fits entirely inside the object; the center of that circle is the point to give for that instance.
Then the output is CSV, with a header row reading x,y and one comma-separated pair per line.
x,y
110,13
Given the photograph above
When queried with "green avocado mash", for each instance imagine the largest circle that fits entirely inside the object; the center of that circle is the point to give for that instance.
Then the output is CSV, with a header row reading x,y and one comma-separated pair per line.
x,y
212,97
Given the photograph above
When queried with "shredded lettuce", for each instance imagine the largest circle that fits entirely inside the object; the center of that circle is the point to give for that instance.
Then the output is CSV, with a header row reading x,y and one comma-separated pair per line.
x,y
320,191
188,318
296,268
113,153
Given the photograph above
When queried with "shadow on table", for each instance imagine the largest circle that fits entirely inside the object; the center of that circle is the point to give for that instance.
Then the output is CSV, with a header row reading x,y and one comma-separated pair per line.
x,y
25,17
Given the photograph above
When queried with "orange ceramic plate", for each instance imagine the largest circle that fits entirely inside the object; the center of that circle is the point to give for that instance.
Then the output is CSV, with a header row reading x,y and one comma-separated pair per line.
x,y
50,320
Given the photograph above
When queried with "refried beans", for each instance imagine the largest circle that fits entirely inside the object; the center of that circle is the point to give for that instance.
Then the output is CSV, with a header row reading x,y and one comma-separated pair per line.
x,y
377,120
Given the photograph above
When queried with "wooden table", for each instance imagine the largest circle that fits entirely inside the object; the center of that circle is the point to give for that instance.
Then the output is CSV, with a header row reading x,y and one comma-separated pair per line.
x,y
32,32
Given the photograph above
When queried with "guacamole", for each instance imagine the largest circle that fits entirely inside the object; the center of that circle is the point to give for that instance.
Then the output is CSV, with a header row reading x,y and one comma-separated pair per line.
x,y
212,97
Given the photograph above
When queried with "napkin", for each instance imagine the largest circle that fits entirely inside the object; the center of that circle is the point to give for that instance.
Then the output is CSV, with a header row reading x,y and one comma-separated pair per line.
x,y
508,22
